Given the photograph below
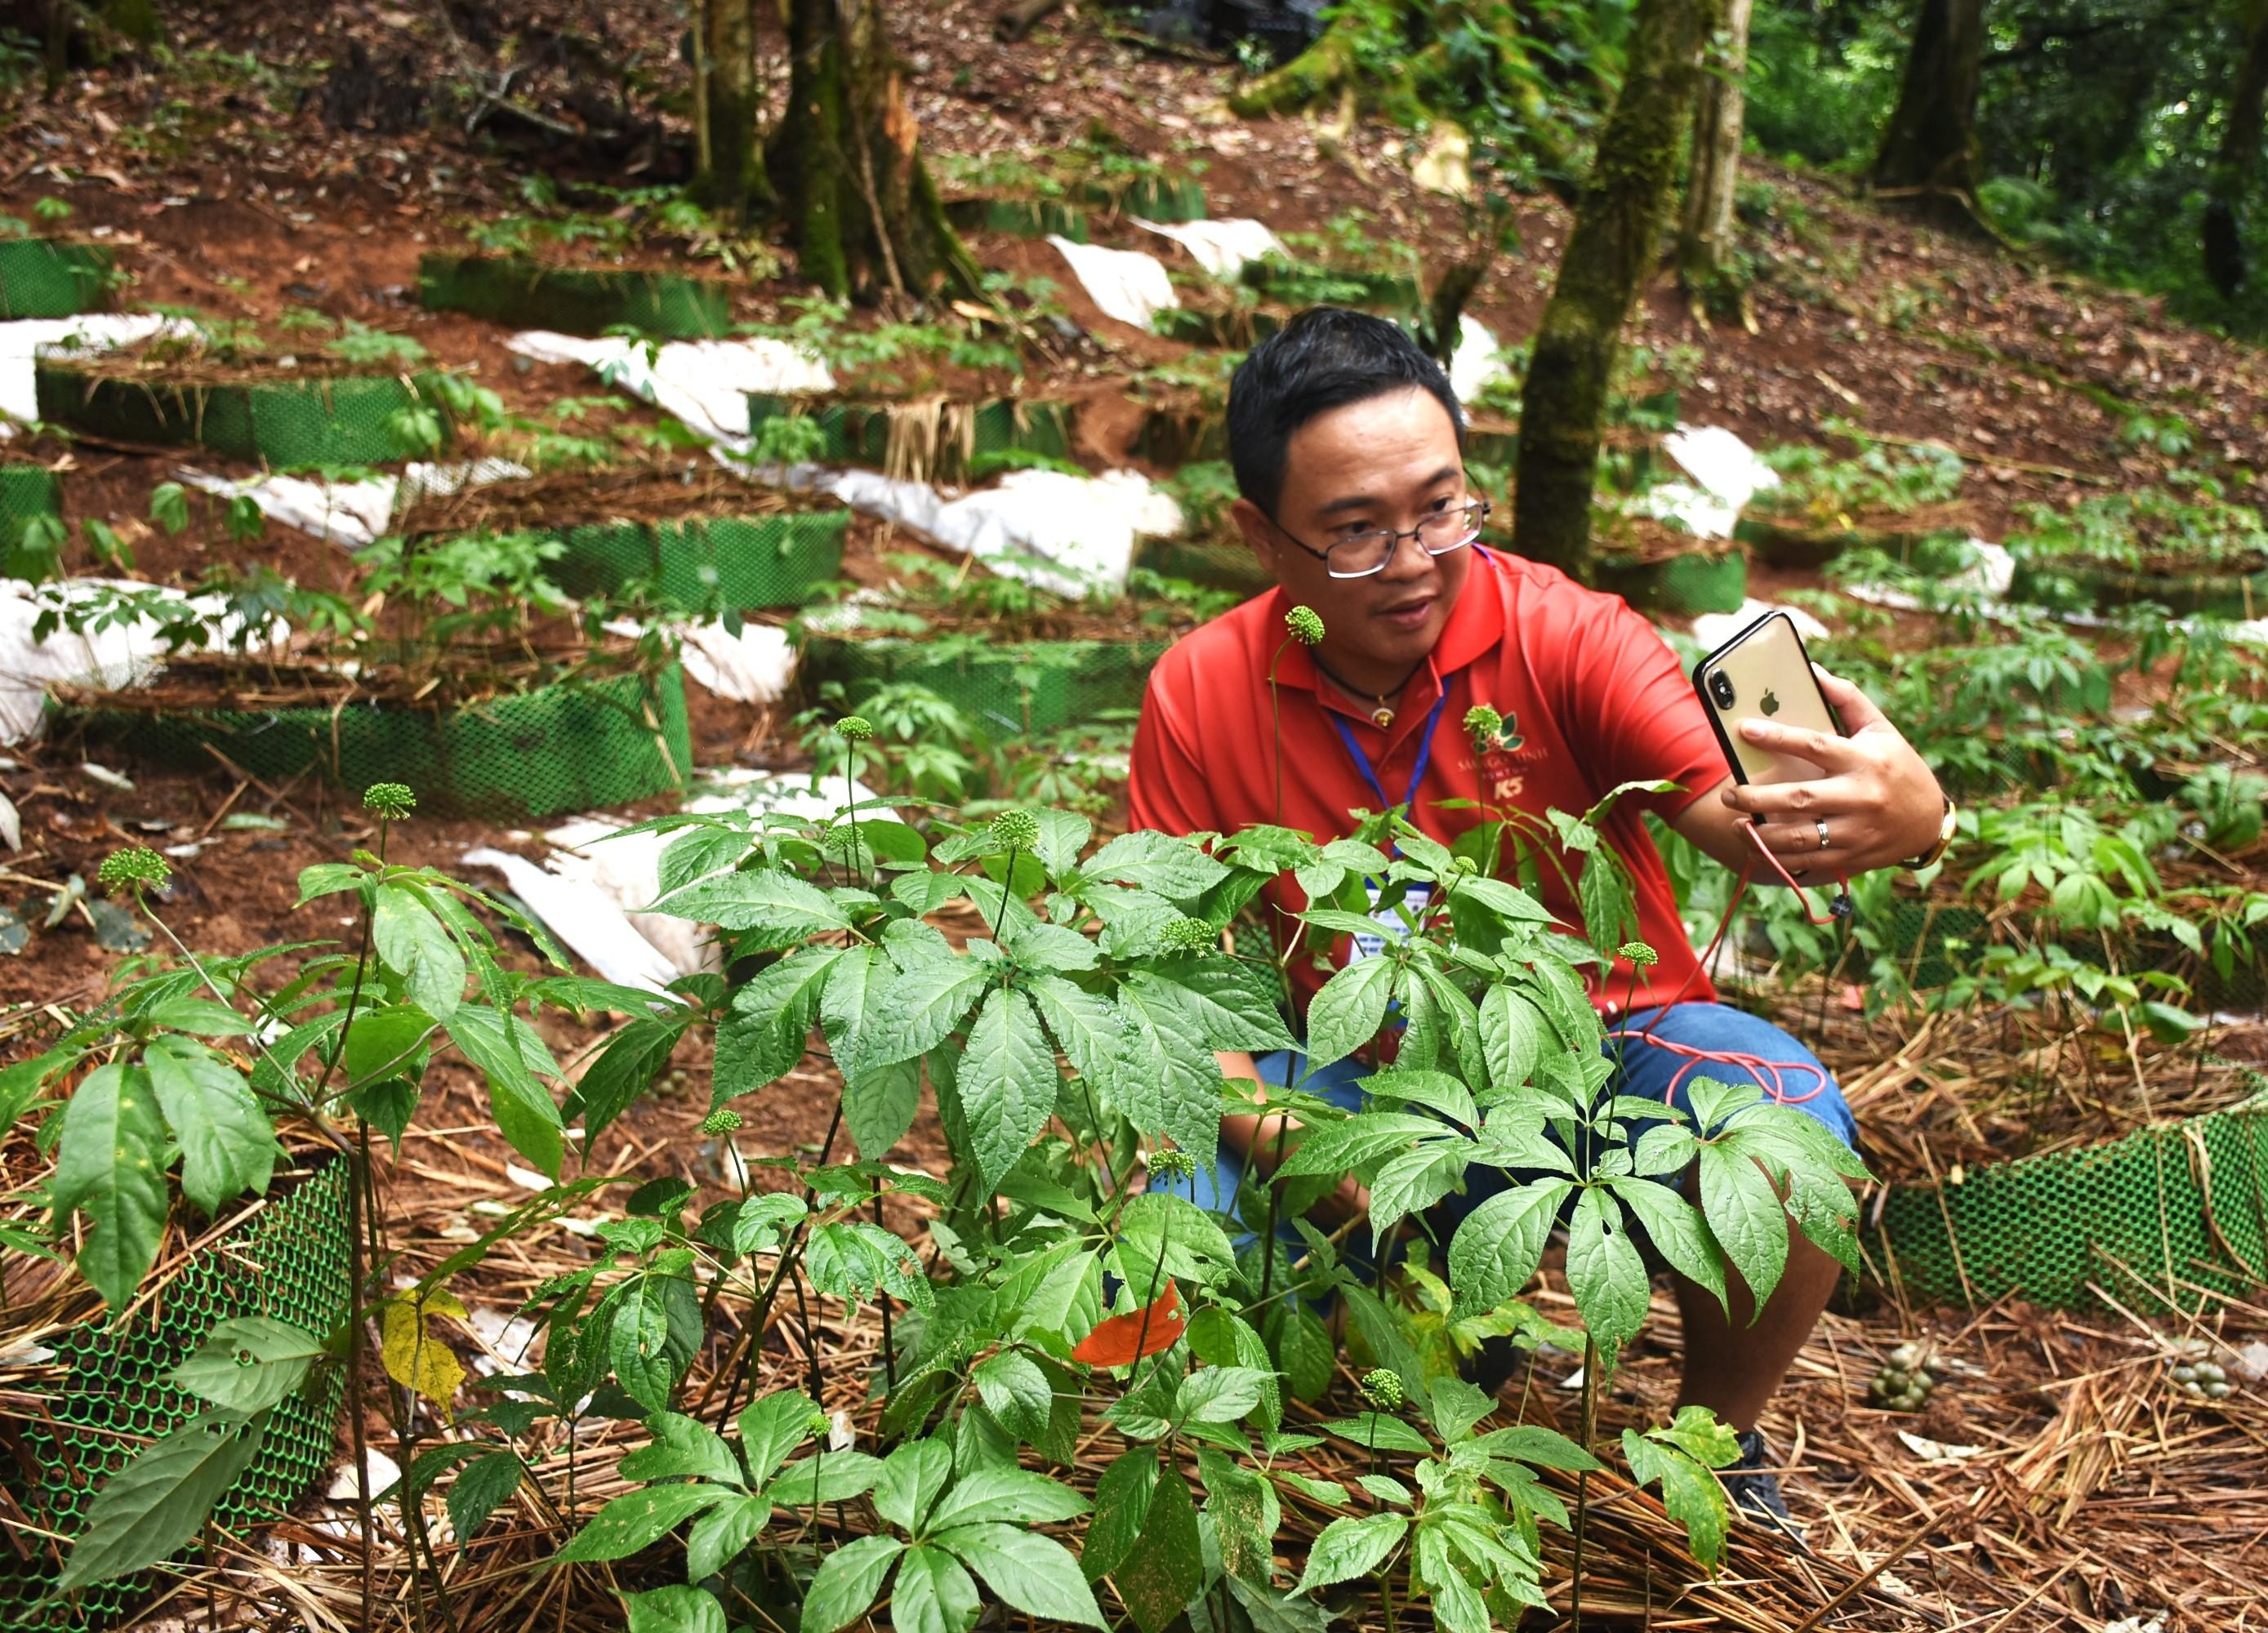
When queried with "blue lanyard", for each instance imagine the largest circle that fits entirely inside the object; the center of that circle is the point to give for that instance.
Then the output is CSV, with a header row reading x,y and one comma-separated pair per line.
x,y
1424,750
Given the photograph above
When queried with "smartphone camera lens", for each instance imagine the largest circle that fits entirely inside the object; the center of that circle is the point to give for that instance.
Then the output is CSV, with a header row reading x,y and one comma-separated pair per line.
x,y
1721,687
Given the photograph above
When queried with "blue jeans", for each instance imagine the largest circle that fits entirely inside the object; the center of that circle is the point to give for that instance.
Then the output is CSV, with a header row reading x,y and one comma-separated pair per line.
x,y
1646,1045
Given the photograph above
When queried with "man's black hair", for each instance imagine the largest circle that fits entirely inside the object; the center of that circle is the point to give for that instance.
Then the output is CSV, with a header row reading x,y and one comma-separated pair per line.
x,y
1325,359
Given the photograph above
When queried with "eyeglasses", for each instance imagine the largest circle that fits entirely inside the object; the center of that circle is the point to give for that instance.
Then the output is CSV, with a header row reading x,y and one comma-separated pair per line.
x,y
1360,555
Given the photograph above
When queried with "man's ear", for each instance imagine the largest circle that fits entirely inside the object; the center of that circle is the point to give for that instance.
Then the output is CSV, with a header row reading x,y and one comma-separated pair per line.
x,y
1258,532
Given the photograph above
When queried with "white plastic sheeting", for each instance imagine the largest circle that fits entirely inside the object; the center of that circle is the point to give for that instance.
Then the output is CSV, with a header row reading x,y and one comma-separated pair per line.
x,y
1221,247
1126,284
19,397
351,513
592,886
1988,577
1474,364
1068,534
753,666
703,382
1726,474
121,655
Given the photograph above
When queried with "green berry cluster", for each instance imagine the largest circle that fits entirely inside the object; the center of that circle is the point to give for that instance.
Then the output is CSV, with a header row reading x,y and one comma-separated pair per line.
x,y
1902,1385
1306,625
723,1119
135,867
1017,830
394,801
1639,953
854,728
1171,1164
1189,935
1484,724
1381,1386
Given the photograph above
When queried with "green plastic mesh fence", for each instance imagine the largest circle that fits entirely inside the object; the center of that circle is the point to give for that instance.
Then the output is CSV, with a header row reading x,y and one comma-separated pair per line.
x,y
1024,217
577,744
747,561
344,419
1174,437
1011,687
109,1396
1153,198
27,492
1698,581
575,300
2223,595
934,440
51,278
2168,1218
1217,563
1300,284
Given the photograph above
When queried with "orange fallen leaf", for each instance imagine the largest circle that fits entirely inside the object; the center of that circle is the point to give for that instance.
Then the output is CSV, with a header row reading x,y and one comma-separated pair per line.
x,y
1120,1341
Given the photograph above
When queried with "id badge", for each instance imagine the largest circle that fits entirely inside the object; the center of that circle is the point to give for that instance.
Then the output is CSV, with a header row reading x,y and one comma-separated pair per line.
x,y
1415,896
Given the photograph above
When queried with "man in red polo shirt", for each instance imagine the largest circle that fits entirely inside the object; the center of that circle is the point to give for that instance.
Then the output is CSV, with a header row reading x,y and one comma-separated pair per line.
x,y
1347,445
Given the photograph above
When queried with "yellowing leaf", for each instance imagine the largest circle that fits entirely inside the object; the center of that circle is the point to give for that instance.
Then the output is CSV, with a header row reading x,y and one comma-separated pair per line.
x,y
416,1356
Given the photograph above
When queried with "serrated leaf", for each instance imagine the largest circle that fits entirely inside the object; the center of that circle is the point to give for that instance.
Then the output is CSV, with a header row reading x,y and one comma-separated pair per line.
x,y
1674,1227
925,1004
768,909
1499,1244
1015,1391
681,1447
228,1146
679,1610
1690,1492
1351,1548
155,1505
824,1477
1165,1568
638,1520
934,1593
1347,1014
1007,1082
524,1112
1035,1574
110,1166
1377,1432
722,1534
413,943
1605,1271
484,1485
416,1356
1170,1080
1513,1033
1121,1503
1172,866
249,1363
1086,1028
763,1034
1231,1004
773,1425
1011,1496
1746,1217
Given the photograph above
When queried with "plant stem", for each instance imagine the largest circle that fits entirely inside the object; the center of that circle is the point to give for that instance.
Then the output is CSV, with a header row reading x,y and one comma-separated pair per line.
x,y
1583,1479
882,1298
1275,1195
851,804
1275,717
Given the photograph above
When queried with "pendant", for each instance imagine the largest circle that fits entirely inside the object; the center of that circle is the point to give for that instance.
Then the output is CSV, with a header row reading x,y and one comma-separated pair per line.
x,y
1382,717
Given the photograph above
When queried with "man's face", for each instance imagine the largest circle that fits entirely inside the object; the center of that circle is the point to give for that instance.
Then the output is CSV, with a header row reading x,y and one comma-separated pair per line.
x,y
1386,462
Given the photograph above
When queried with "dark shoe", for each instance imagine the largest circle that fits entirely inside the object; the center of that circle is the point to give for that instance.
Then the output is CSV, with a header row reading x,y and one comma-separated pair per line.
x,y
1755,1489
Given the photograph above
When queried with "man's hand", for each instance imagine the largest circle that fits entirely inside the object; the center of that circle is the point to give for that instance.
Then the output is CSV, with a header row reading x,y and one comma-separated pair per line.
x,y
1880,803
1255,1137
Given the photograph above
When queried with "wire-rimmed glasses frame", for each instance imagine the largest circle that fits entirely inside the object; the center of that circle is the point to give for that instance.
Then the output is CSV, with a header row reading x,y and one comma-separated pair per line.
x,y
1442,533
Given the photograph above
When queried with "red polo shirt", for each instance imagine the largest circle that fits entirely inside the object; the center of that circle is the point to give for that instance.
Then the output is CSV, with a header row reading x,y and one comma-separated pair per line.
x,y
1591,692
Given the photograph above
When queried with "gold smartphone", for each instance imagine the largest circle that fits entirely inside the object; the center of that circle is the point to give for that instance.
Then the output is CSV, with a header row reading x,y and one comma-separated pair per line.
x,y
1763,673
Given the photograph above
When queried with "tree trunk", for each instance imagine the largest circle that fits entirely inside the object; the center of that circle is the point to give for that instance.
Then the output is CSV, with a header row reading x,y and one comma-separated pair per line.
x,y
1016,19
2239,158
1609,254
1928,155
1705,240
731,175
846,162
1316,74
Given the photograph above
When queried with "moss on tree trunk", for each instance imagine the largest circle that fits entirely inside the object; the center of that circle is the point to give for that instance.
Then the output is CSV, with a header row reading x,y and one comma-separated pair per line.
x,y
1928,157
1609,254
732,176
846,162
1317,72
1704,238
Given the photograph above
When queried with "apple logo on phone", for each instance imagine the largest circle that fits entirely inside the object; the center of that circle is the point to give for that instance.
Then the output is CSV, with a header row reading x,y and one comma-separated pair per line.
x,y
1768,704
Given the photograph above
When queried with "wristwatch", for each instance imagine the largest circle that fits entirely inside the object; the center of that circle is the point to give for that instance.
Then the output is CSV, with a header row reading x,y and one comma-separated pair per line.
x,y
1936,852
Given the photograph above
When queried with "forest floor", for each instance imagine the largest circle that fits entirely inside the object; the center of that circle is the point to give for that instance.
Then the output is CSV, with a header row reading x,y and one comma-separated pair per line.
x,y
2054,1483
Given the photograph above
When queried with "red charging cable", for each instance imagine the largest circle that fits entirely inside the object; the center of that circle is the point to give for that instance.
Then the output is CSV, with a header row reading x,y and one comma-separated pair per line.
x,y
1766,1072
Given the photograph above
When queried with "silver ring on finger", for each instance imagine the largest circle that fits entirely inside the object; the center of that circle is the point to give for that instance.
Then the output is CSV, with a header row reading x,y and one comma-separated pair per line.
x,y
1821,823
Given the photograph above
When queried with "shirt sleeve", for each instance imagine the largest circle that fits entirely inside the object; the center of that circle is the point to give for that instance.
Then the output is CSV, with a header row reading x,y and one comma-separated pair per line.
x,y
1629,698
1166,788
